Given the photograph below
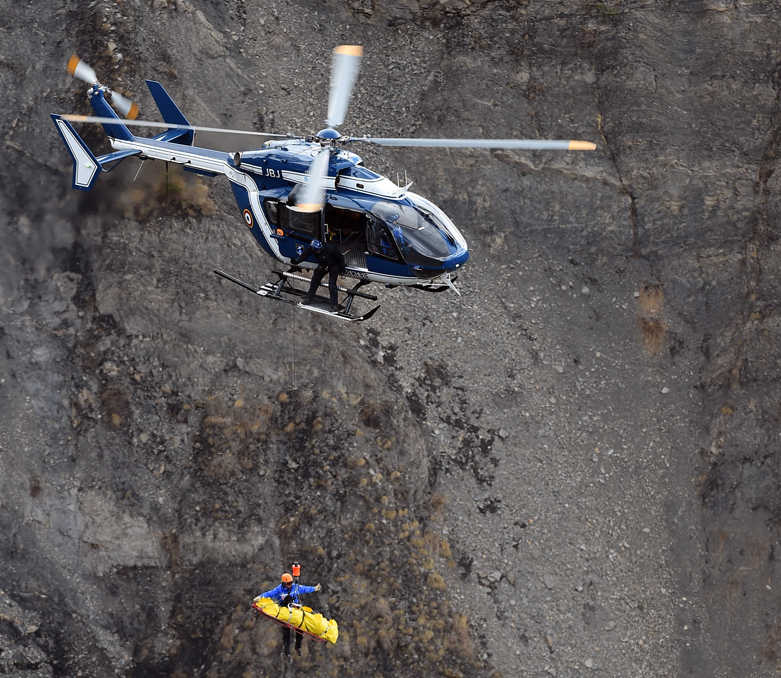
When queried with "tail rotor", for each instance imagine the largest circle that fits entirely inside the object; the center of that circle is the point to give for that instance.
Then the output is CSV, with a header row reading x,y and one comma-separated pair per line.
x,y
124,106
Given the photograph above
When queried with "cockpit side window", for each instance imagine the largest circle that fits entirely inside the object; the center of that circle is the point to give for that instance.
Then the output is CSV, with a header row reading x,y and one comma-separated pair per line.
x,y
379,241
415,233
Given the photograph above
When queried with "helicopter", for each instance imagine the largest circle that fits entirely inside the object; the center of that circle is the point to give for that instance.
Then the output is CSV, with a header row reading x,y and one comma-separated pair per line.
x,y
296,189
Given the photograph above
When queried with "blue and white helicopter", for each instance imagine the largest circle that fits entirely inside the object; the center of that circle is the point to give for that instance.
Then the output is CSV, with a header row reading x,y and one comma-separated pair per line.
x,y
296,189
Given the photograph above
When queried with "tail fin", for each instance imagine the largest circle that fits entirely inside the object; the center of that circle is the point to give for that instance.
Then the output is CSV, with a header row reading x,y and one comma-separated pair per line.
x,y
103,110
171,114
86,166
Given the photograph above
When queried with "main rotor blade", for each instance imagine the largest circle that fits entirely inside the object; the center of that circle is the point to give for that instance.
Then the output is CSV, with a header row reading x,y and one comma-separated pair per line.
x,y
525,144
313,191
344,71
149,123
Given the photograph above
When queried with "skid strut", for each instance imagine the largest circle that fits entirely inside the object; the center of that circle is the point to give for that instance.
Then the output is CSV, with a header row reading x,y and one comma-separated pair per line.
x,y
283,290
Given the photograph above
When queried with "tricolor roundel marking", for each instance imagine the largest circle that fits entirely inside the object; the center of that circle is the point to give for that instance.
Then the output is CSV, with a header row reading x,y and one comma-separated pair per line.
x,y
248,218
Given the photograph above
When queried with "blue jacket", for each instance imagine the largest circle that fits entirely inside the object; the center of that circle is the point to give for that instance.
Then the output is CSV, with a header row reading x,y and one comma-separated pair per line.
x,y
329,256
278,594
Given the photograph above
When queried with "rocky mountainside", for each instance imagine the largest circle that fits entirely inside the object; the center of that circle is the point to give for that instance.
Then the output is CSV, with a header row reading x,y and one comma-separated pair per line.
x,y
571,468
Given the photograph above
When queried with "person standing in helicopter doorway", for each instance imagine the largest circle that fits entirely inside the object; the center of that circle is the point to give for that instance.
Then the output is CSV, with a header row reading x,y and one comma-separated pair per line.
x,y
329,260
285,595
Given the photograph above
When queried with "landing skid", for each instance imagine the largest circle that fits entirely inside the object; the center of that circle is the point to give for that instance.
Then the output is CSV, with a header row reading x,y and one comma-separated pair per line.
x,y
283,290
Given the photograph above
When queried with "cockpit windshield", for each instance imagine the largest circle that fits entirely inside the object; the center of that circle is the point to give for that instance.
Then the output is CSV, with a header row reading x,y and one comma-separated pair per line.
x,y
414,231
361,173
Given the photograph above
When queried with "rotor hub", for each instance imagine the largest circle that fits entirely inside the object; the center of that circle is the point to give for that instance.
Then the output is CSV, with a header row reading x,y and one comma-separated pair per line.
x,y
328,135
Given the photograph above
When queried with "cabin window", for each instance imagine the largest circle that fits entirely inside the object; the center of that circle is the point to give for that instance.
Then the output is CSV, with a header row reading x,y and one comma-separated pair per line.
x,y
272,211
299,223
380,242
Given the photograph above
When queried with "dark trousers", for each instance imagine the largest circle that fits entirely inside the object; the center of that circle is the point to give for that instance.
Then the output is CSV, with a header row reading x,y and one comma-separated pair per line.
x,y
286,639
318,275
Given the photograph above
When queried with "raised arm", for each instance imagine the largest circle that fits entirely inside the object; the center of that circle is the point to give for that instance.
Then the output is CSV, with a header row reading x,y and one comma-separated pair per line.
x,y
309,589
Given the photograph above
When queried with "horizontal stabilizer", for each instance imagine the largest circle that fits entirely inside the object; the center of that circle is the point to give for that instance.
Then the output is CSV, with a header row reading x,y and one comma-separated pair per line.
x,y
113,159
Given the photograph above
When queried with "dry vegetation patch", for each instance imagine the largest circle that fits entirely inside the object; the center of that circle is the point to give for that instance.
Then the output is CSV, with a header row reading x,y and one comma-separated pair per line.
x,y
653,328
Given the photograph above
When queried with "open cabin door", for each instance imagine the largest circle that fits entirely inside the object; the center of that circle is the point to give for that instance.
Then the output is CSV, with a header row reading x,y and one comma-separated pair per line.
x,y
347,228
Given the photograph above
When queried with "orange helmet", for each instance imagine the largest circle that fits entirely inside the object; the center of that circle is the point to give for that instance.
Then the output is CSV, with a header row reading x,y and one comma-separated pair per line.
x,y
287,579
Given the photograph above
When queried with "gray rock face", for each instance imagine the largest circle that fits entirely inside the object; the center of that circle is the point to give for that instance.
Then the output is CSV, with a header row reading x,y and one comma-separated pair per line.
x,y
575,461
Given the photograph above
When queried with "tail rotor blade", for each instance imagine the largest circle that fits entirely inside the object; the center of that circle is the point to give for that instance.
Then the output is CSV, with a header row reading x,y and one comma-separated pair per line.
x,y
124,106
344,71
313,191
80,70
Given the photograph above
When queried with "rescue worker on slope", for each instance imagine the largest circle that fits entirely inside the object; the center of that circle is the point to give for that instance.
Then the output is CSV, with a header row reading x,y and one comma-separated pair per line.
x,y
285,595
329,260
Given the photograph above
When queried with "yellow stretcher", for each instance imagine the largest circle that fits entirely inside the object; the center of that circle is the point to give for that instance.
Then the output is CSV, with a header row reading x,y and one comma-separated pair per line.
x,y
300,619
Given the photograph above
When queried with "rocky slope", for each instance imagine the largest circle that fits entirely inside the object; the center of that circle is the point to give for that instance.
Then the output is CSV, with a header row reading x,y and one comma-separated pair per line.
x,y
575,461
